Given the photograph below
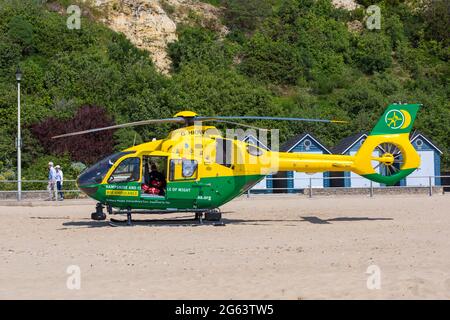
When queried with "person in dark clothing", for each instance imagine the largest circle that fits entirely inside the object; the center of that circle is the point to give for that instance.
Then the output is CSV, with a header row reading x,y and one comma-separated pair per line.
x,y
155,182
157,179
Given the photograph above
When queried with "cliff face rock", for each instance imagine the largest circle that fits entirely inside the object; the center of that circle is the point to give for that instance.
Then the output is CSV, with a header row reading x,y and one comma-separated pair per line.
x,y
152,24
345,4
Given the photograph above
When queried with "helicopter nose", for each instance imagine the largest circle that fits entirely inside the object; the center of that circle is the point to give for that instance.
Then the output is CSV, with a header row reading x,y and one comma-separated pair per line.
x,y
88,190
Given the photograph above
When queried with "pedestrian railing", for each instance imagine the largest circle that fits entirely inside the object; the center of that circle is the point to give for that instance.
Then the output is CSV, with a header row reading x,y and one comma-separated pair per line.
x,y
320,185
37,189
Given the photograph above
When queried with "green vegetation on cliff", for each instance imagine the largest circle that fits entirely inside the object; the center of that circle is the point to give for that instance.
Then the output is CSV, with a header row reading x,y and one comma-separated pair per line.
x,y
281,57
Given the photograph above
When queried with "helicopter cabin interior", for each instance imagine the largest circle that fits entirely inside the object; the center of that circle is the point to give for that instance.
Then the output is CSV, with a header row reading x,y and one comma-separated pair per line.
x,y
155,173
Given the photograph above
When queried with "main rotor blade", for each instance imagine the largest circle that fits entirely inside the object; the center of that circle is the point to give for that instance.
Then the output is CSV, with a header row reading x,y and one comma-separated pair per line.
x,y
266,118
239,124
125,125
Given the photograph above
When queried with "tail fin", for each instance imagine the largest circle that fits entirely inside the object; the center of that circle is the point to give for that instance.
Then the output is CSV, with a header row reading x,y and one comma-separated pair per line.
x,y
387,155
397,119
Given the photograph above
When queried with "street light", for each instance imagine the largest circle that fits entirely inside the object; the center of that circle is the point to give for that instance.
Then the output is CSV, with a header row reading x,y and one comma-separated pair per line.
x,y
19,138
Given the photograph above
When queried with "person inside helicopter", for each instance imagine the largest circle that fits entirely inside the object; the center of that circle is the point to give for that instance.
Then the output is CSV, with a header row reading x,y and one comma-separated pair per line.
x,y
154,180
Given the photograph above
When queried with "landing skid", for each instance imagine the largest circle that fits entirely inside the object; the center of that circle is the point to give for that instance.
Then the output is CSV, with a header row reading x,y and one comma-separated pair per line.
x,y
202,217
172,222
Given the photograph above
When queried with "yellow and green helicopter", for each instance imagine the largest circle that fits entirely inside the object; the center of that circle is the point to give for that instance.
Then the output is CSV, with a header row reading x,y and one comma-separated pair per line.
x,y
196,169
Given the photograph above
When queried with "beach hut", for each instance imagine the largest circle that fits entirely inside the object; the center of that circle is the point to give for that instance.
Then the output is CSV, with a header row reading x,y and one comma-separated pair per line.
x,y
266,184
429,153
350,146
430,162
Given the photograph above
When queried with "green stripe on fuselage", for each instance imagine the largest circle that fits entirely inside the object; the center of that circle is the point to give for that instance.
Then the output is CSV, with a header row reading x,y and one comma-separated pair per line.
x,y
206,193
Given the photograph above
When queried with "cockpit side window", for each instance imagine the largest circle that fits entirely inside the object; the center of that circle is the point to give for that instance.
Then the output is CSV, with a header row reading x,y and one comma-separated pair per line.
x,y
96,173
127,171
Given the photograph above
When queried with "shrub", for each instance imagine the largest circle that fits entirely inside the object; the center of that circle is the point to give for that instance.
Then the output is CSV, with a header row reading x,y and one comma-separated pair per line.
x,y
126,138
436,14
373,52
9,54
120,48
198,45
246,15
87,148
269,60
21,32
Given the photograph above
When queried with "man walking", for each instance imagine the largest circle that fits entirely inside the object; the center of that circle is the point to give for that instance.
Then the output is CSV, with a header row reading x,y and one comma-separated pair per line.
x,y
59,182
51,182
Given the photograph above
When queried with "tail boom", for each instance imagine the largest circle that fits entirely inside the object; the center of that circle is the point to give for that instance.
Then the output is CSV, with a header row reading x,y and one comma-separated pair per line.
x,y
386,156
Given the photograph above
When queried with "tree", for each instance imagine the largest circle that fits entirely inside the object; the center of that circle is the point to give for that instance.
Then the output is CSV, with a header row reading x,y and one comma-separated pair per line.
x,y
21,32
436,14
269,60
87,148
246,15
373,52
120,48
9,54
126,138
198,45
282,57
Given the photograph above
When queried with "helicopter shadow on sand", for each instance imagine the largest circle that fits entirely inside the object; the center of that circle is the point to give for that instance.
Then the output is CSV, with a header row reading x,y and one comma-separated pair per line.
x,y
83,223
180,221
294,222
188,221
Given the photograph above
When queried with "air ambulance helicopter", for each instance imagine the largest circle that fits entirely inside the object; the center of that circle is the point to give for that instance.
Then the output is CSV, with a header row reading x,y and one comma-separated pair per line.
x,y
195,169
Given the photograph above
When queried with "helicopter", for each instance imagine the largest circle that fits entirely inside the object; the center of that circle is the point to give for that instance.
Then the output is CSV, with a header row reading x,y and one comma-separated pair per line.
x,y
196,169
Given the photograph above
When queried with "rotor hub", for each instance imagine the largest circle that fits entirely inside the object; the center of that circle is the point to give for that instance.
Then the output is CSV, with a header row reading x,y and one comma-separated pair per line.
x,y
186,114
388,158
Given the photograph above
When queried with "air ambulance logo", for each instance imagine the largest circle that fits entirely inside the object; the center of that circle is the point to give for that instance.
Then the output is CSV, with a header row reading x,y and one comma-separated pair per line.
x,y
397,119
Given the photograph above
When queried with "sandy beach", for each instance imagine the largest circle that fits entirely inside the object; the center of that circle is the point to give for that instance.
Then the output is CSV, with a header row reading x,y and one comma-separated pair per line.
x,y
285,247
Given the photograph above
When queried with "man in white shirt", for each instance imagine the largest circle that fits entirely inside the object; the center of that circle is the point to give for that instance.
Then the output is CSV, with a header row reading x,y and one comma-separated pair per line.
x,y
51,182
59,182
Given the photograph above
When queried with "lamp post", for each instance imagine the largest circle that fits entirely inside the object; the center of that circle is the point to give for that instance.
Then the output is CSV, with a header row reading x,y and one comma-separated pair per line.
x,y
19,139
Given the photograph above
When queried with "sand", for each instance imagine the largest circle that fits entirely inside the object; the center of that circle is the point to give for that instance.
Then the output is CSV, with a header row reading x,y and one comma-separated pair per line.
x,y
285,247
